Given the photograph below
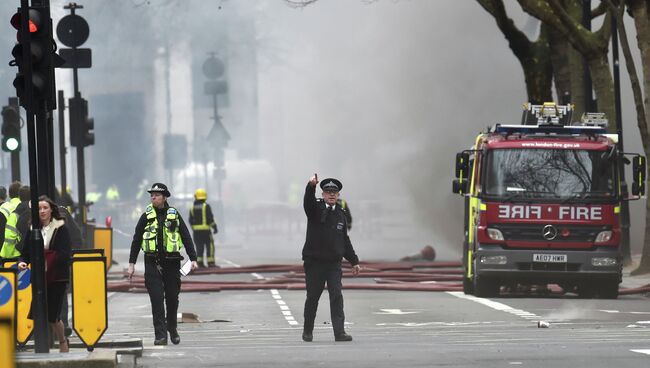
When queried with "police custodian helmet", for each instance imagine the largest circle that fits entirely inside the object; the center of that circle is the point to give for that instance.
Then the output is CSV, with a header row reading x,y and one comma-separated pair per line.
x,y
331,185
160,188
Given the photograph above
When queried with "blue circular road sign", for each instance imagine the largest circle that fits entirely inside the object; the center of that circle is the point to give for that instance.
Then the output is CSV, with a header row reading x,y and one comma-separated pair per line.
x,y
5,290
24,277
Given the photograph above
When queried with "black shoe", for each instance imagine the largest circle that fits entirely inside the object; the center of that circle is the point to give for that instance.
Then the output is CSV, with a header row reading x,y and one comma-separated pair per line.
x,y
67,331
343,337
307,336
173,335
160,341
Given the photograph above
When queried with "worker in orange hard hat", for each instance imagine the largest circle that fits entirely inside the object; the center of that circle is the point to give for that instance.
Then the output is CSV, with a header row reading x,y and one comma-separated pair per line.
x,y
202,222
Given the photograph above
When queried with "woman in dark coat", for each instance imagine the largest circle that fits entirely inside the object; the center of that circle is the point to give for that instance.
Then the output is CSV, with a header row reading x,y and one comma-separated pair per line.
x,y
56,241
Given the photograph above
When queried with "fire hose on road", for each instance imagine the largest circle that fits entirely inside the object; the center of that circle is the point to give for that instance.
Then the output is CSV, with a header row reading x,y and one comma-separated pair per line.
x,y
403,276
397,276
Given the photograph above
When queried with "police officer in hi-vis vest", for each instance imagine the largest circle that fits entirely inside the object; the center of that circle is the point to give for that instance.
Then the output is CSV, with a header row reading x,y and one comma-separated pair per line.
x,y
202,220
8,223
161,234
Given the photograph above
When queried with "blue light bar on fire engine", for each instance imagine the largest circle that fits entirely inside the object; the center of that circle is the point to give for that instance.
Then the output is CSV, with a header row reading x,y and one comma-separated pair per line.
x,y
549,129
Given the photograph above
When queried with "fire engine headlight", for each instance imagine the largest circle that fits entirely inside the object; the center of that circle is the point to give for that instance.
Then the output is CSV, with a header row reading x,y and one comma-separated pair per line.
x,y
495,234
604,236
494,260
603,261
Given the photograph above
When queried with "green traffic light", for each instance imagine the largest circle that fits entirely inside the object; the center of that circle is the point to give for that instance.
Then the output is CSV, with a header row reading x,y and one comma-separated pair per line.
x,y
10,144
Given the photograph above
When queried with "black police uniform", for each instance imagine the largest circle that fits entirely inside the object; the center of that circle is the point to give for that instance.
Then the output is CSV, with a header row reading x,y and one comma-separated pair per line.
x,y
326,243
346,209
162,273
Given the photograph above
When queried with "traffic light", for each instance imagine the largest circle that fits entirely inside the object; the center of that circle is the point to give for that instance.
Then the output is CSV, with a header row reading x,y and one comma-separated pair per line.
x,y
81,126
41,57
10,129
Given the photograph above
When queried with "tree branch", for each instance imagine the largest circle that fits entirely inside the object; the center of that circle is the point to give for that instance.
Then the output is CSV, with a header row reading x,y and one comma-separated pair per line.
x,y
519,43
631,68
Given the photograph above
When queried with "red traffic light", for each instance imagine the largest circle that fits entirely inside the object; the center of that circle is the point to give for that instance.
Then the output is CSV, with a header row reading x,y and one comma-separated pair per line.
x,y
34,21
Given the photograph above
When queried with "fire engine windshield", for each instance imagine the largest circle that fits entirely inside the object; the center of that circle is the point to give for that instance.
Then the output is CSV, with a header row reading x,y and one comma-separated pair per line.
x,y
549,174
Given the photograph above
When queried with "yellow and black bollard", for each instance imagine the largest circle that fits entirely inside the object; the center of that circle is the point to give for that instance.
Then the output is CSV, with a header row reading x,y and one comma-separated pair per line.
x,y
89,307
8,299
7,345
104,241
24,325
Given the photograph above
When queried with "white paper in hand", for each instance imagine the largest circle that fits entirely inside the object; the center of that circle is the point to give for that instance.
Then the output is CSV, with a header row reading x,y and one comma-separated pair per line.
x,y
186,268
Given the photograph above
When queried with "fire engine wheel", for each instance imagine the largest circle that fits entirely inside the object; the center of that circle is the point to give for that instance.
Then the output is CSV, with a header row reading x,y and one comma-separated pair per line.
x,y
608,289
586,291
486,287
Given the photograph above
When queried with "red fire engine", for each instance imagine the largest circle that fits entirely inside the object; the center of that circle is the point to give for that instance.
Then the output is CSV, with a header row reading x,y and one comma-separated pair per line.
x,y
542,204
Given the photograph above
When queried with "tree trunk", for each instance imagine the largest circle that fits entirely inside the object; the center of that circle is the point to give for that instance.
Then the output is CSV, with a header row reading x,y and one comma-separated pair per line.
x,y
560,61
538,71
639,9
601,77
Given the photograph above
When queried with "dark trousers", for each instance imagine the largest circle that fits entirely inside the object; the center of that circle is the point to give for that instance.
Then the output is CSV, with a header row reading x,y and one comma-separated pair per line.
x,y
317,273
204,243
163,281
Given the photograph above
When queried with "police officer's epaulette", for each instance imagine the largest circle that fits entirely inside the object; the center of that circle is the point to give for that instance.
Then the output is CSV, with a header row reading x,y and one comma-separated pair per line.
x,y
171,211
319,199
149,209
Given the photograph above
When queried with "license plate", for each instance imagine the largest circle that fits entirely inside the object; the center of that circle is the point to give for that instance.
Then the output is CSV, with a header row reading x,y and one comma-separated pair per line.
x,y
549,258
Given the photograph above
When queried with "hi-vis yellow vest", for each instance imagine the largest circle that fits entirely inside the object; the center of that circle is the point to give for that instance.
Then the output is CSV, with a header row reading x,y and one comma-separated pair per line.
x,y
12,235
171,232
204,218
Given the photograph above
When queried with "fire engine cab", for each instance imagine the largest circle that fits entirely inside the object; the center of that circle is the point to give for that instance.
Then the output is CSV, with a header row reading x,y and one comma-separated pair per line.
x,y
542,204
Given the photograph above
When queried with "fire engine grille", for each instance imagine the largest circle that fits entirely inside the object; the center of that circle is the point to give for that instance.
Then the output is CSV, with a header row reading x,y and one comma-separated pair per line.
x,y
525,232
534,266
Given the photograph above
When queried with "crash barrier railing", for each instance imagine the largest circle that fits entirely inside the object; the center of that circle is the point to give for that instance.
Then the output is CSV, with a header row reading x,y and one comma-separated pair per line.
x,y
24,325
89,301
7,345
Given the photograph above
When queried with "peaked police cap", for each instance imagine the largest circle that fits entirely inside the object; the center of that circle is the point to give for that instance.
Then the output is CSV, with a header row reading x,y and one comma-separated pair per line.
x,y
160,188
331,185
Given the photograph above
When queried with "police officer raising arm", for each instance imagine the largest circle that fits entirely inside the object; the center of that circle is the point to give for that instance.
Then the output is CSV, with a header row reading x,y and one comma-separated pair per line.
x,y
161,233
327,242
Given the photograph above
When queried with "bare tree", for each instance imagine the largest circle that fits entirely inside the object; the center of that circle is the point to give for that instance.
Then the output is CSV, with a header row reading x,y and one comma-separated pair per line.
x,y
592,45
639,11
534,57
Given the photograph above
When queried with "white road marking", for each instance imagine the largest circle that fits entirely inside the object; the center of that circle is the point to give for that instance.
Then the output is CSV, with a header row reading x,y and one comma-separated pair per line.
x,y
495,305
419,324
286,312
642,351
393,311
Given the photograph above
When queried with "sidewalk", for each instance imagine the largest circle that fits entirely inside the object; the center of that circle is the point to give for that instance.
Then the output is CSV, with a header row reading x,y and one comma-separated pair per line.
x,y
631,282
76,358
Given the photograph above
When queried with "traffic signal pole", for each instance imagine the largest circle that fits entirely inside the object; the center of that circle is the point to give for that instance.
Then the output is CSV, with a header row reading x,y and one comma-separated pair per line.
x,y
82,217
39,312
15,154
62,150
625,205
